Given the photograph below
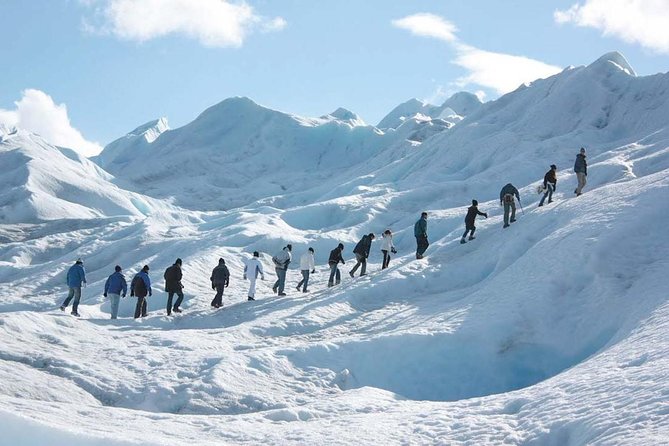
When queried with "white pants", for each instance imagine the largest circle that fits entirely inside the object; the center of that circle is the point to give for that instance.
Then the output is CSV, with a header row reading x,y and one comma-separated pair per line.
x,y
252,286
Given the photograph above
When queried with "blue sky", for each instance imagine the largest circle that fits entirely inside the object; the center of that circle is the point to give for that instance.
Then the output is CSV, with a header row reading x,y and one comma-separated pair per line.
x,y
116,64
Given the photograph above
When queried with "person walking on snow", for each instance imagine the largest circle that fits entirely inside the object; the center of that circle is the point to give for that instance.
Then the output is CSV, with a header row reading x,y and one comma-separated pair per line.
x,y
387,247
307,264
114,287
472,212
140,286
420,231
281,262
76,275
220,280
252,268
550,184
173,286
361,252
333,261
581,169
506,198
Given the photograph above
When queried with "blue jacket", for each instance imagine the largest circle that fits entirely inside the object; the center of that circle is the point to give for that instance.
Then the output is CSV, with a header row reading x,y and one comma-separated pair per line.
x,y
116,284
76,275
420,228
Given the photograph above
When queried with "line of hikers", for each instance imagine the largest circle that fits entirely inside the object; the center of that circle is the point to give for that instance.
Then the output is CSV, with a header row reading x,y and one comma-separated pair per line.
x,y
140,286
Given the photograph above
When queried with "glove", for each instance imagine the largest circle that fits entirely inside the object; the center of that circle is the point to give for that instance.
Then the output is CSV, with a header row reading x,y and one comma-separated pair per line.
x,y
245,277
150,294
123,295
104,294
227,284
313,271
132,294
485,214
213,287
393,250
262,278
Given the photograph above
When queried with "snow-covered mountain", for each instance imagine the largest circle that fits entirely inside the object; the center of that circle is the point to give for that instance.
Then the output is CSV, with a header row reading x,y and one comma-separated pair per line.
x,y
456,107
553,331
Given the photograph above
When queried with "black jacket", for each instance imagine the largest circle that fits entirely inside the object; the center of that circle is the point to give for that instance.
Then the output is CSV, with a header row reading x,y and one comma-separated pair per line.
x,y
172,278
335,257
472,212
550,178
508,189
364,245
581,165
220,276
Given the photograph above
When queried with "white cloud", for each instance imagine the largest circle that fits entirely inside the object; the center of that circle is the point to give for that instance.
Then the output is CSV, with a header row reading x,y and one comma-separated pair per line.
x,y
428,25
635,21
38,113
498,71
214,23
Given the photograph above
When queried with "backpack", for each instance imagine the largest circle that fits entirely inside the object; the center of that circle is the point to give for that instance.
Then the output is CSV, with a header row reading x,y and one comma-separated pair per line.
x,y
540,189
508,198
139,287
277,262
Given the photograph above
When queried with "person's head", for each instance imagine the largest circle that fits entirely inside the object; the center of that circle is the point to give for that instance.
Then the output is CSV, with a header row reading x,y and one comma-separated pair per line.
x,y
256,254
221,261
178,262
311,250
475,203
371,235
145,268
289,246
117,268
340,246
553,167
582,150
79,261
423,215
387,232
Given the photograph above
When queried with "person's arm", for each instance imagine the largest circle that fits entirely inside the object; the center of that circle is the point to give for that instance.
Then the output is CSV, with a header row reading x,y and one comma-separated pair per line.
x,y
106,286
124,286
83,274
483,214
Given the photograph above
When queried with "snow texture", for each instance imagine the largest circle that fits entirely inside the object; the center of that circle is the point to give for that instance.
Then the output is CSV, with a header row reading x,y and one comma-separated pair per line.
x,y
554,331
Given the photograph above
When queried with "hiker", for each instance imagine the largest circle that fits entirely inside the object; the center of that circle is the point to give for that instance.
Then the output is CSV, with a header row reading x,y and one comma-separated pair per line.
x,y
140,286
333,261
581,169
115,286
387,247
173,286
281,261
252,268
220,279
550,183
361,252
76,275
420,231
472,212
506,198
307,264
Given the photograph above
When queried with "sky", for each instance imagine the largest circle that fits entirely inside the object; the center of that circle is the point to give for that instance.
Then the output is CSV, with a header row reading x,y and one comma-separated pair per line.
x,y
82,73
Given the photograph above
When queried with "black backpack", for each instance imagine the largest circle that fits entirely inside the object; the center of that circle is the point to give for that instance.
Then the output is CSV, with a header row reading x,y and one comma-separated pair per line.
x,y
139,287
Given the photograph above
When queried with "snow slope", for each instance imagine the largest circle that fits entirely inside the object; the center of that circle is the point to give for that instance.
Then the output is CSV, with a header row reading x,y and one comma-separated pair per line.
x,y
551,332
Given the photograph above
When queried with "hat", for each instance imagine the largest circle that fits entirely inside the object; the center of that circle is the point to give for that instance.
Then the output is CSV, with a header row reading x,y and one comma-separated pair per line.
x,y
177,262
289,246
423,213
311,249
553,166
117,268
582,150
371,235
145,268
221,261
340,246
475,203
79,260
256,254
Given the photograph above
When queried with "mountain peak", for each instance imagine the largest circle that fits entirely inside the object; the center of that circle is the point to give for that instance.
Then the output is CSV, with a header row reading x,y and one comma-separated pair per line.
x,y
343,114
613,60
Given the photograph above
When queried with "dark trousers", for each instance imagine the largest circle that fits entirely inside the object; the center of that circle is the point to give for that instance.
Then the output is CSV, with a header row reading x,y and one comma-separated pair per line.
x,y
170,295
334,274
218,299
281,281
548,193
140,309
421,246
75,292
305,280
386,259
361,260
468,228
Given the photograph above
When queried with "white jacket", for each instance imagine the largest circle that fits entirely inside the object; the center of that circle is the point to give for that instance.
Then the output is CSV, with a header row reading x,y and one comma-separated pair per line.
x,y
307,261
387,242
252,268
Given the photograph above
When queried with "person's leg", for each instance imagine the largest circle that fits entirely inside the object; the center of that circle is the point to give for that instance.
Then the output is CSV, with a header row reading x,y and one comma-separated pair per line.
x,y
423,246
581,182
115,300
541,202
180,299
170,296
144,306
363,270
417,247
357,264
333,270
513,211
77,298
220,289
252,287
551,189
305,274
507,208
337,275
471,234
70,295
386,259
275,287
282,280
301,282
138,307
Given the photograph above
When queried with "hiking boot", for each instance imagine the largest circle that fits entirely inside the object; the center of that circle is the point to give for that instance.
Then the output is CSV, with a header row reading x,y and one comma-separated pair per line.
x,y
506,225
330,284
463,241
512,220
297,288
576,191
74,313
305,291
352,274
250,298
471,237
418,256
275,289
541,204
550,201
176,310
578,194
282,294
62,308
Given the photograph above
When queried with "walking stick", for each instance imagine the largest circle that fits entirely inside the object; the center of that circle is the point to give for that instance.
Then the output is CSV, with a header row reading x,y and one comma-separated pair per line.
x,y
521,206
